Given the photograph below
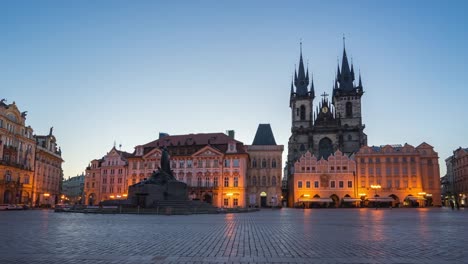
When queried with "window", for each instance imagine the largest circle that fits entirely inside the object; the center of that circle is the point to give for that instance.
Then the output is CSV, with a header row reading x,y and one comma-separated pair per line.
x,y
316,184
207,163
104,189
200,163
254,163
207,182
264,163
397,183
303,113
119,189
26,179
273,163
254,181
181,163
332,168
92,185
388,171
396,170
371,171
199,182
227,163
264,181
226,202
215,163
236,182
215,181
350,184
349,109
235,163
104,180
341,184
120,171
363,183
389,183
332,184
226,182
299,184
273,180
235,202
189,163
307,184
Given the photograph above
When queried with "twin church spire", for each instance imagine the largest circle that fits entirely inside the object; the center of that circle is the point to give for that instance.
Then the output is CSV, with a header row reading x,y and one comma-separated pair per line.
x,y
301,80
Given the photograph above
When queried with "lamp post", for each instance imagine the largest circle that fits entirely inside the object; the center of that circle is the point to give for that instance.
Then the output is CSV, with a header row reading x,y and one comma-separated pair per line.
x,y
376,187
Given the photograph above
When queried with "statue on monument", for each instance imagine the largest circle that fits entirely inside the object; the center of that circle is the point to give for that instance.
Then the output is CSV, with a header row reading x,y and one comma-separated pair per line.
x,y
164,173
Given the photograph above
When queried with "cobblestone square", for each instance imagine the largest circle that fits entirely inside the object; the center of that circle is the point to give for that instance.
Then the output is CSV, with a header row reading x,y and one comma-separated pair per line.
x,y
426,235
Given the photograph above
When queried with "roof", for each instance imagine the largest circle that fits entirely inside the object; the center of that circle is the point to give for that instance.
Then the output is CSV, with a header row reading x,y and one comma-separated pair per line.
x,y
264,135
218,141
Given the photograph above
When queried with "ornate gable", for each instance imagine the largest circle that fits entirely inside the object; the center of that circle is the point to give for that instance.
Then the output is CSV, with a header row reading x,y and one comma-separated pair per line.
x,y
154,153
207,151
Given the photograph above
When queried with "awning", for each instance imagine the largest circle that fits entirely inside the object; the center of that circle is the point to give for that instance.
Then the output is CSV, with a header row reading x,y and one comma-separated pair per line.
x,y
316,200
381,199
415,198
347,199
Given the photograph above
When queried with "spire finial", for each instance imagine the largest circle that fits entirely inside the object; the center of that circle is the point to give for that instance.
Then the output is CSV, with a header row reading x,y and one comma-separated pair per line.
x,y
300,45
344,41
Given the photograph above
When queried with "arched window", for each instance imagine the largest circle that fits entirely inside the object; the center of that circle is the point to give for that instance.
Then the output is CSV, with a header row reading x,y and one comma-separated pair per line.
x,y
325,147
273,163
215,182
199,182
254,163
207,182
264,181
349,109
254,181
303,114
264,163
273,180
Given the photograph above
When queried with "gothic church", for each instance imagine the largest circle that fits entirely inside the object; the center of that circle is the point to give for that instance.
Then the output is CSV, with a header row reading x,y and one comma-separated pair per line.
x,y
335,125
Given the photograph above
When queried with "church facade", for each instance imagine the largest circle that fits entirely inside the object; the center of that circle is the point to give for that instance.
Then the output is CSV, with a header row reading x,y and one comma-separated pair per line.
x,y
336,124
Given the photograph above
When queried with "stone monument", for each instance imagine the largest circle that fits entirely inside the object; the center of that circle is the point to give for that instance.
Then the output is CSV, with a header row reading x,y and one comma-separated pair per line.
x,y
161,186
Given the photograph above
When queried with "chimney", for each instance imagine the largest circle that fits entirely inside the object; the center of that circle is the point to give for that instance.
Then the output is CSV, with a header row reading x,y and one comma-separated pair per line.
x,y
230,133
162,134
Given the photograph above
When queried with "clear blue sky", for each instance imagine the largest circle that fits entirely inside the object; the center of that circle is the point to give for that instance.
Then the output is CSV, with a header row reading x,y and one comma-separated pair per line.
x,y
100,71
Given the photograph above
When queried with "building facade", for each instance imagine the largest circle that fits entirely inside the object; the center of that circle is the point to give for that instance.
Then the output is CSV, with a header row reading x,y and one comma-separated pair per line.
x,y
17,155
264,170
408,175
213,165
460,175
73,188
320,182
335,125
106,178
48,174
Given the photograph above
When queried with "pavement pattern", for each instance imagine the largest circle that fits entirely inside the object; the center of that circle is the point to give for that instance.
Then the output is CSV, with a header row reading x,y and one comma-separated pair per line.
x,y
419,235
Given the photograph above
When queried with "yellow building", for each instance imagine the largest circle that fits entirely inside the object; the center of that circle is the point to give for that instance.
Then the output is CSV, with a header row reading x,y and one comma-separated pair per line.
x,y
48,175
17,154
407,175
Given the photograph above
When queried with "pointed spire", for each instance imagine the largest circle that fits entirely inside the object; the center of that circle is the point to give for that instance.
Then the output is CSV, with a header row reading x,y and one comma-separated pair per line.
x,y
295,74
307,71
301,74
352,70
344,64
312,89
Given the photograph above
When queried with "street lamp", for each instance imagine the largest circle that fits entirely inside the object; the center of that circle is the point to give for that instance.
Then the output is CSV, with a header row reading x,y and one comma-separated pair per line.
x,y
376,187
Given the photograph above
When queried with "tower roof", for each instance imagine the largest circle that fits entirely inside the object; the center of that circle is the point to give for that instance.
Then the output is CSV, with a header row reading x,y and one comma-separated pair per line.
x,y
264,135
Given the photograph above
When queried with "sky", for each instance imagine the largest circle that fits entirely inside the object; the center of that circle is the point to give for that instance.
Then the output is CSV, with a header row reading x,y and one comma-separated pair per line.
x,y
101,72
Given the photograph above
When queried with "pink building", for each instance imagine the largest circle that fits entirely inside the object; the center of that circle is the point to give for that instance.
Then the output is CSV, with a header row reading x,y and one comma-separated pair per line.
x,y
460,175
106,178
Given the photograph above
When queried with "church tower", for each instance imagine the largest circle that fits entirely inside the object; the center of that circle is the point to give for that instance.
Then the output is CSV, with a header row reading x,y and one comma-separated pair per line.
x,y
347,103
301,104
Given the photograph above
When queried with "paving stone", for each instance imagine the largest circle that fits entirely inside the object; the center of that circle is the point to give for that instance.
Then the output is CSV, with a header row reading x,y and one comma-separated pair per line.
x,y
426,235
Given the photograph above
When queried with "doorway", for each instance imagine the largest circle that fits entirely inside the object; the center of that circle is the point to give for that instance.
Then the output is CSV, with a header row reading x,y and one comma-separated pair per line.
x,y
263,199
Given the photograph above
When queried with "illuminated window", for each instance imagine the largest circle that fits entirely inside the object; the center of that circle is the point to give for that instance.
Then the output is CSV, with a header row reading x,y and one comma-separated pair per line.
x,y
299,184
226,181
